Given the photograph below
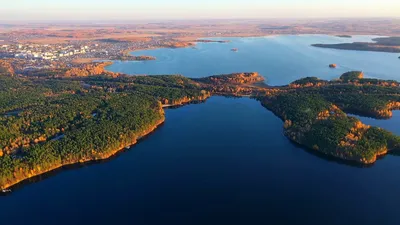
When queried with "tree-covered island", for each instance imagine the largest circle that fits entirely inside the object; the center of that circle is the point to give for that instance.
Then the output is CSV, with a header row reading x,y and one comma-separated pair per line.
x,y
381,44
50,119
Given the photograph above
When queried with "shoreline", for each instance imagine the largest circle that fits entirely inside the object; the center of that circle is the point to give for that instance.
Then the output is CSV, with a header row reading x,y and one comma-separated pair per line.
x,y
335,157
110,154
202,39
133,142
154,127
83,161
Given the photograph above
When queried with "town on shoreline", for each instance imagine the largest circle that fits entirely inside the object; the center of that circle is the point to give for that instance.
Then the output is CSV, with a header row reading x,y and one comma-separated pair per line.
x,y
65,45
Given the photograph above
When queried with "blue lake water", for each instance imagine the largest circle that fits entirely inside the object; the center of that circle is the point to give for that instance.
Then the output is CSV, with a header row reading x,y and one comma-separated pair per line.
x,y
281,59
392,124
224,161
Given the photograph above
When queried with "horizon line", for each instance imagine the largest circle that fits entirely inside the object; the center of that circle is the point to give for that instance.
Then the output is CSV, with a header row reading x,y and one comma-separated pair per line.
x,y
2,21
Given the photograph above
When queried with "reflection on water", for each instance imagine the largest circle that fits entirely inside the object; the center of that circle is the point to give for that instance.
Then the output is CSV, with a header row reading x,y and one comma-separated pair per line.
x,y
392,124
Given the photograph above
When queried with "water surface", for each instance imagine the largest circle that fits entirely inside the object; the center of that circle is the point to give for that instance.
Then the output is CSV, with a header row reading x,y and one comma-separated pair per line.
x,y
281,59
392,124
225,161
222,162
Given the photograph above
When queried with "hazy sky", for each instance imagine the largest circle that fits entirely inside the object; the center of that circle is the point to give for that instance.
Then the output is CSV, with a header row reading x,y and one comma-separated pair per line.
x,y
193,9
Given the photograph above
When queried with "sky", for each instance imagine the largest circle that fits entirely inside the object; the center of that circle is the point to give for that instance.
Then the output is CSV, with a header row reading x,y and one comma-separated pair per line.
x,y
193,9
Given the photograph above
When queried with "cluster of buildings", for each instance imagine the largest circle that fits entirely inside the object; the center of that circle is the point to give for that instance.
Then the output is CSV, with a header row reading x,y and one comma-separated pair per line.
x,y
43,52
37,56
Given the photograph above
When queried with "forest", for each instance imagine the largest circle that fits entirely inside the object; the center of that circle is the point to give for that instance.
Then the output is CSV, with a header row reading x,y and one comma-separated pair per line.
x,y
47,122
314,112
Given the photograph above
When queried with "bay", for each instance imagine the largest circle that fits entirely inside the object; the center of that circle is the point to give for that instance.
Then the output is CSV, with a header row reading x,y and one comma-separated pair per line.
x,y
280,59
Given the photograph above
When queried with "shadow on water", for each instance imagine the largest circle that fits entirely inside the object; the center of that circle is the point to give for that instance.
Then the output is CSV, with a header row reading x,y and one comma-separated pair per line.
x,y
322,155
184,104
360,113
395,152
52,173
334,159
76,166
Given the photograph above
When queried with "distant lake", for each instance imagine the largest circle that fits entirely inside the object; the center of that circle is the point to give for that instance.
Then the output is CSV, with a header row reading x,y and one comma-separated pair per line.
x,y
280,59
225,161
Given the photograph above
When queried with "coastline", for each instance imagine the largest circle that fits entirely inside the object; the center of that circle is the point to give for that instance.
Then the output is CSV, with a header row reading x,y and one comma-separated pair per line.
x,y
192,42
187,43
336,156
158,123
121,148
151,129
164,105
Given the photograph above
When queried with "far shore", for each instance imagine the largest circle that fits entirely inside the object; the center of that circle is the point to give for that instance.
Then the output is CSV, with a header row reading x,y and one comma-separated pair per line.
x,y
192,41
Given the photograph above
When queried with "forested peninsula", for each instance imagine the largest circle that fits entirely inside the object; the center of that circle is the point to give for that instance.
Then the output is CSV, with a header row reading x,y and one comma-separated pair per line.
x,y
50,119
382,44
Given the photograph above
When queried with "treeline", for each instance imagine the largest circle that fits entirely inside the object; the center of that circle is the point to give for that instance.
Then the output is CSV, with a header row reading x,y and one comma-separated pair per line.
x,y
166,88
47,123
117,122
353,93
314,116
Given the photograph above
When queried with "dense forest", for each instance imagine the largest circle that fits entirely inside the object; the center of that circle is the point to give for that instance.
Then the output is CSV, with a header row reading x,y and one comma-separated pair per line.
x,y
382,44
314,115
47,120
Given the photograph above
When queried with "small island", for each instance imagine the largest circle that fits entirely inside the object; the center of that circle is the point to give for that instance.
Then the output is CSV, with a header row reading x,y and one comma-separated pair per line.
x,y
212,41
133,58
64,116
344,36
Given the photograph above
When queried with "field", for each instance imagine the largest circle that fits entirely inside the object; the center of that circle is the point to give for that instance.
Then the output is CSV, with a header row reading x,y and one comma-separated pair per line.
x,y
190,30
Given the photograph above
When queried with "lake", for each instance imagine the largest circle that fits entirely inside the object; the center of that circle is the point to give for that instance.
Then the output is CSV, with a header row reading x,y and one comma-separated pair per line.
x,y
225,161
280,59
